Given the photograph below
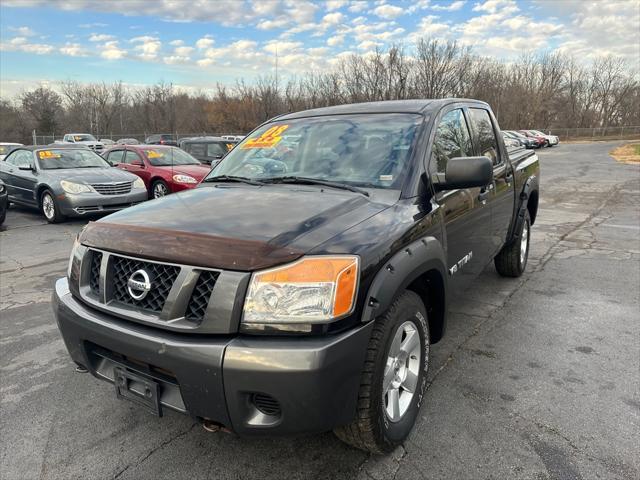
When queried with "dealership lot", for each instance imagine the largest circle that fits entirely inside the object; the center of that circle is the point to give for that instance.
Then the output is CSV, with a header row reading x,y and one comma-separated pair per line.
x,y
536,377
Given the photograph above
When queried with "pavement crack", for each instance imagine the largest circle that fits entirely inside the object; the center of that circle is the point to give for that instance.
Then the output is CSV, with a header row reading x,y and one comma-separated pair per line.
x,y
154,450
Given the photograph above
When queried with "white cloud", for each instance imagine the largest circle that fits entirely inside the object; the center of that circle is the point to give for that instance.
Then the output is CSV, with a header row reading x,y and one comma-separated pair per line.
x,y
148,47
388,11
358,6
23,31
20,44
18,41
93,25
335,40
183,51
333,18
335,4
111,51
73,50
452,7
368,45
176,43
205,42
496,6
282,47
100,37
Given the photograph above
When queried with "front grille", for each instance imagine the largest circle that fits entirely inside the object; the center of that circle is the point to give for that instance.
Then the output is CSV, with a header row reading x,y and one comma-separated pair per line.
x,y
94,275
200,297
162,278
116,188
266,404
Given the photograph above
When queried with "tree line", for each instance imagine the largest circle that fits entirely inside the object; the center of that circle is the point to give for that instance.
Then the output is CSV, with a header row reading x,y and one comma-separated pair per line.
x,y
542,91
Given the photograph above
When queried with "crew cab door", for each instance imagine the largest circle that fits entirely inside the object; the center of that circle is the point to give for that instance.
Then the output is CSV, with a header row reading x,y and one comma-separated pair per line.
x,y
501,198
467,217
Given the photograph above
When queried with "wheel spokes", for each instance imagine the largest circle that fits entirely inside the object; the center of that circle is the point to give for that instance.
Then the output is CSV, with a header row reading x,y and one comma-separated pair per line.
x,y
389,374
410,382
411,341
394,404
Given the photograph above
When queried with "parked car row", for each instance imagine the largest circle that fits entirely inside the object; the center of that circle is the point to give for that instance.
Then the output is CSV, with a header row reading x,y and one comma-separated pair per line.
x,y
529,138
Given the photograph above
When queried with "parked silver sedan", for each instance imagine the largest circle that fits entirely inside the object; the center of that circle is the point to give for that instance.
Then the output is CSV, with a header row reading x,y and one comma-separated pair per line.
x,y
68,182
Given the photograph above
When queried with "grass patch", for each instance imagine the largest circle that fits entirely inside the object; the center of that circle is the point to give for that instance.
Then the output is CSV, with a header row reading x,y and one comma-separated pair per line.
x,y
628,153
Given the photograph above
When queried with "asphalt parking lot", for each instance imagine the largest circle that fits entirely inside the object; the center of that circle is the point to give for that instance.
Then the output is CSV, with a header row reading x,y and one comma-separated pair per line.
x,y
537,378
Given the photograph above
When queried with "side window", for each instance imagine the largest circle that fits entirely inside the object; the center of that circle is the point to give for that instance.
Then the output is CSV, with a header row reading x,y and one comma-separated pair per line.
x,y
197,149
115,157
216,150
487,143
21,157
452,140
132,158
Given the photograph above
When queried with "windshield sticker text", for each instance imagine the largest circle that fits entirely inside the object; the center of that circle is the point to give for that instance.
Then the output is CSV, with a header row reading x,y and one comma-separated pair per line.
x,y
44,154
154,154
268,139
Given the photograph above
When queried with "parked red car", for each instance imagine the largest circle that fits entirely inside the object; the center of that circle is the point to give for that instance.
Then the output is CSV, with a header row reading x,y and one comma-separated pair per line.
x,y
164,169
541,141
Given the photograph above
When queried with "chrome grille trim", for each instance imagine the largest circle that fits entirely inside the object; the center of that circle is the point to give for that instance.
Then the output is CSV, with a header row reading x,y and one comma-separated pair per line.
x,y
114,188
189,304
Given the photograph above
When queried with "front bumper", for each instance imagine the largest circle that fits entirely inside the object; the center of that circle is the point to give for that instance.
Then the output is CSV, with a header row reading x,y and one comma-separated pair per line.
x,y
88,203
313,380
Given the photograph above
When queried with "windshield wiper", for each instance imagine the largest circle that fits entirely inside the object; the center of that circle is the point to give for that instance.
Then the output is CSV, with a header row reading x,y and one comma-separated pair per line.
x,y
315,181
232,178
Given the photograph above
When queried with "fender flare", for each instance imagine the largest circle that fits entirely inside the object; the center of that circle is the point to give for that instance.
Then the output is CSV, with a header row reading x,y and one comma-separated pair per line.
x,y
398,272
530,185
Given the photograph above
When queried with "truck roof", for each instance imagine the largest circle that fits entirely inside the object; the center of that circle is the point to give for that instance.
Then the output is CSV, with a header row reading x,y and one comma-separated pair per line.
x,y
387,106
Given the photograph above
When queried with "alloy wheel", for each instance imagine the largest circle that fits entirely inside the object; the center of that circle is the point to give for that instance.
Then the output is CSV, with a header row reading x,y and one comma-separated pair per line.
x,y
402,370
524,243
48,207
159,190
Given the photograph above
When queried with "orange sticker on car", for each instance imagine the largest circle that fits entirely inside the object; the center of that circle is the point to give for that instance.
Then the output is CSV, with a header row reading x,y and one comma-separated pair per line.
x,y
230,146
268,139
44,154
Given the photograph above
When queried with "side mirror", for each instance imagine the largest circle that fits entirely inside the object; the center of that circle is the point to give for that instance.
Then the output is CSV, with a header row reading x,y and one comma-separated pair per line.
x,y
467,172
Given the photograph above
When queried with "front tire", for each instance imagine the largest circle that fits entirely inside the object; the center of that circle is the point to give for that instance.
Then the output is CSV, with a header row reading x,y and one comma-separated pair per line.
x,y
50,208
394,378
159,189
512,259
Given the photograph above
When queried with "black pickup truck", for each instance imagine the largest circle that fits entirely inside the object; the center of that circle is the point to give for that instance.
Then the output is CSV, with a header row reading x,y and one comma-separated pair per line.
x,y
300,287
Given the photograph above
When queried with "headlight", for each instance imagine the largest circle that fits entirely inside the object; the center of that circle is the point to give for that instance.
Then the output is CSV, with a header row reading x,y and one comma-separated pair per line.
x,y
71,187
311,290
1,187
138,183
184,179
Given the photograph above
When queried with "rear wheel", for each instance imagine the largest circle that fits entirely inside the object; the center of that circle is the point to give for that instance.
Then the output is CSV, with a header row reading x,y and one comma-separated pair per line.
x,y
159,189
50,208
394,378
512,259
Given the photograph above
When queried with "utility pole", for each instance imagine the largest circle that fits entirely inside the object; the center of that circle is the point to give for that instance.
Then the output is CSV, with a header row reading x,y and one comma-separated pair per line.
x,y
276,68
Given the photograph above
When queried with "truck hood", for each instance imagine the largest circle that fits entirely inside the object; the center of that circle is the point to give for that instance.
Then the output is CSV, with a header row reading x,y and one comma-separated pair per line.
x,y
229,226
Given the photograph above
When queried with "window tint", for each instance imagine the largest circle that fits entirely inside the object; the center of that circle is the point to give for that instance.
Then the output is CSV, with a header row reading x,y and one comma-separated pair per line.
x,y
197,149
452,140
216,150
115,157
487,142
132,158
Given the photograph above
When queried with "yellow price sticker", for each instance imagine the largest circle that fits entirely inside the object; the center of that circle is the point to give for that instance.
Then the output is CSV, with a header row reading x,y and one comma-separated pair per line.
x,y
154,154
268,139
44,154
230,146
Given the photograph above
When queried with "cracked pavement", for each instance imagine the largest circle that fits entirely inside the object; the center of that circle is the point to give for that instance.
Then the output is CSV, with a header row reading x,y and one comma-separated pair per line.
x,y
537,377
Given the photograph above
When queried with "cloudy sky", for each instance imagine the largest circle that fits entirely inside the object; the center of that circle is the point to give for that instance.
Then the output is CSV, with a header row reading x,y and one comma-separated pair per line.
x,y
196,43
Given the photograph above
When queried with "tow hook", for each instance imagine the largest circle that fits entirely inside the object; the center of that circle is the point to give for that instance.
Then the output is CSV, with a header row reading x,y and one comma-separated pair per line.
x,y
213,427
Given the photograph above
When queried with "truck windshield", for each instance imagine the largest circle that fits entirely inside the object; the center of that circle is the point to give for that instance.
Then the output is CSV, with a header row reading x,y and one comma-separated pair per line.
x,y
84,137
371,150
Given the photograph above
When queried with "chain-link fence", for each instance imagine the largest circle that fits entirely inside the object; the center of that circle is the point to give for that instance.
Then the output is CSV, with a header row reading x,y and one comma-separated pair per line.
x,y
123,138
597,133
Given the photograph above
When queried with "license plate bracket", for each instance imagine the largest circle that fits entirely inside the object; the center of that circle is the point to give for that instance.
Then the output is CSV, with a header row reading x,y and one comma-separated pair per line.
x,y
137,389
